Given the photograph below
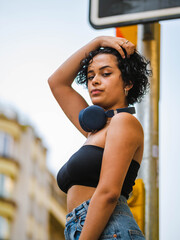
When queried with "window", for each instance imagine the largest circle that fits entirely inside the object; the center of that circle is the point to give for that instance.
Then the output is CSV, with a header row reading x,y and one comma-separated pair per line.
x,y
6,186
4,228
6,145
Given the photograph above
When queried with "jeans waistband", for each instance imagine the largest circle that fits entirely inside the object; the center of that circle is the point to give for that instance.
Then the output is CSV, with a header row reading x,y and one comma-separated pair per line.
x,y
78,211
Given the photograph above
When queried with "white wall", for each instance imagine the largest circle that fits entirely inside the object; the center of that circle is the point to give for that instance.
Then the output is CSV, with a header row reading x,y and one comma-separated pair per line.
x,y
169,132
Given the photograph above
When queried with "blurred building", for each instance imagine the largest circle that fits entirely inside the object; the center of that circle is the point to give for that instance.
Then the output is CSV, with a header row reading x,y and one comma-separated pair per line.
x,y
31,205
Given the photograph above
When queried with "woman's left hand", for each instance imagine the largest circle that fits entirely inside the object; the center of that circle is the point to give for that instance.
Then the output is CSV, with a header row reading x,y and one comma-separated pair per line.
x,y
117,43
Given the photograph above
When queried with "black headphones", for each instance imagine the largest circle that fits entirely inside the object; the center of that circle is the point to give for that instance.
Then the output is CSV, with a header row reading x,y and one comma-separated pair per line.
x,y
94,117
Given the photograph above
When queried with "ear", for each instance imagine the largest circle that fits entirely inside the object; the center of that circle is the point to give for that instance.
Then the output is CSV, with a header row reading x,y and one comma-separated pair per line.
x,y
128,87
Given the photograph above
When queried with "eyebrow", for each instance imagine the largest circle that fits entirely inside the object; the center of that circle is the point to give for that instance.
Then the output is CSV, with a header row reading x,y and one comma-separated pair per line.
x,y
107,66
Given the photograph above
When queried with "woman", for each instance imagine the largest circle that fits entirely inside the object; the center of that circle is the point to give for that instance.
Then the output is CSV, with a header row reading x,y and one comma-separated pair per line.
x,y
100,176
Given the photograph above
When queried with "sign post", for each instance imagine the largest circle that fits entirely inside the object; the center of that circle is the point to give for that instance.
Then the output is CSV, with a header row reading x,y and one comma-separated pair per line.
x,y
148,112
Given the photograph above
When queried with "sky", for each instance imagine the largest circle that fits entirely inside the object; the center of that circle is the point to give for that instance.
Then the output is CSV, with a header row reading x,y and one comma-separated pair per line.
x,y
35,38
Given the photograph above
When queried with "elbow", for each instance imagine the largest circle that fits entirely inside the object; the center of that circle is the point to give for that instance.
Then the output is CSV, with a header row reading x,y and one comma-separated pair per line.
x,y
50,82
110,196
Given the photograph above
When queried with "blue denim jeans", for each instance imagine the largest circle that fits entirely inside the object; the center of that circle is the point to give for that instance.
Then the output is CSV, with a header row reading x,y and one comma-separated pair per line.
x,y
121,224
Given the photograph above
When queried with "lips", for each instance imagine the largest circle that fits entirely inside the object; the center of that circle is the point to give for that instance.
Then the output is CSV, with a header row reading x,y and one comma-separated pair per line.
x,y
96,91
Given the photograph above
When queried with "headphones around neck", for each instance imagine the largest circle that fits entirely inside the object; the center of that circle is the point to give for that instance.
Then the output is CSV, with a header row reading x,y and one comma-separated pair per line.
x,y
94,117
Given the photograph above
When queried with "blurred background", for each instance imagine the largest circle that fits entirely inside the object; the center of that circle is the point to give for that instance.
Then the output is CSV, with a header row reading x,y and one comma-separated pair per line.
x,y
36,139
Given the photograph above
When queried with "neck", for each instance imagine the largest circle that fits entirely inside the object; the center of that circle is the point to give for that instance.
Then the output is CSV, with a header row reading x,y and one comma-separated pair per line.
x,y
116,107
121,104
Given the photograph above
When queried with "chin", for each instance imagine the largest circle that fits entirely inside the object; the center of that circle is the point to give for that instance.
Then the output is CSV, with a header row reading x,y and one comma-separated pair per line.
x,y
96,102
100,104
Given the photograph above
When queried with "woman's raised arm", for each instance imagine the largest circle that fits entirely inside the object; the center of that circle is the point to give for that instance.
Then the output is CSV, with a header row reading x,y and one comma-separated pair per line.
x,y
61,80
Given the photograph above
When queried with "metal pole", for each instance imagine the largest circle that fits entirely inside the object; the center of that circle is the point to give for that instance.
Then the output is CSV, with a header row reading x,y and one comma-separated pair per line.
x,y
147,113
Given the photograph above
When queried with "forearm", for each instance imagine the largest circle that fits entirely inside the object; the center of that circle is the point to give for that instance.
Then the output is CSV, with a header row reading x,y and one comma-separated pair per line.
x,y
99,212
66,73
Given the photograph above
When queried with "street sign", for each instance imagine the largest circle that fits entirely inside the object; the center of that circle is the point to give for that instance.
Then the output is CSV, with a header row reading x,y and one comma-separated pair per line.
x,y
116,13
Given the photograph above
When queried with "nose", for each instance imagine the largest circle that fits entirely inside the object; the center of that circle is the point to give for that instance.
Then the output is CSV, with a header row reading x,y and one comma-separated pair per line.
x,y
96,80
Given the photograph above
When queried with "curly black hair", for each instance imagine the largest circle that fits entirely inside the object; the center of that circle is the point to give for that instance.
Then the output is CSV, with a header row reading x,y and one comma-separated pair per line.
x,y
133,69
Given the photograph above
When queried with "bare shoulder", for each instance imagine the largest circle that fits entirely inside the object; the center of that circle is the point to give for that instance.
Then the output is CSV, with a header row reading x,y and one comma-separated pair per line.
x,y
126,119
128,125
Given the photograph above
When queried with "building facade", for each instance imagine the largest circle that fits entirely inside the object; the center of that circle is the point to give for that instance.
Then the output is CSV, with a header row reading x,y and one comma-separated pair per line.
x,y
31,205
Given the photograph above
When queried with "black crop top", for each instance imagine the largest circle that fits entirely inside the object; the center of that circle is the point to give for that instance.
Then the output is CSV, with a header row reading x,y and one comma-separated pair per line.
x,y
83,168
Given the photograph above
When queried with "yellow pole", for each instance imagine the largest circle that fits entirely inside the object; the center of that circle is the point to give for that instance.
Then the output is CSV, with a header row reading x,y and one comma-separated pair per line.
x,y
147,113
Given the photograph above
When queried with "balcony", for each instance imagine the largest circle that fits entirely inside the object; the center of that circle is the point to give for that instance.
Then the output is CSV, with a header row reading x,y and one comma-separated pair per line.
x,y
9,166
7,208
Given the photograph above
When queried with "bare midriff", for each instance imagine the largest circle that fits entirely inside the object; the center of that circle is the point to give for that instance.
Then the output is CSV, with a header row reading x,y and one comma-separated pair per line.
x,y
77,195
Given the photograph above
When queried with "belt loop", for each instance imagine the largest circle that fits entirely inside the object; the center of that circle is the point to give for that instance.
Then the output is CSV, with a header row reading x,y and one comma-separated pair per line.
x,y
74,213
86,204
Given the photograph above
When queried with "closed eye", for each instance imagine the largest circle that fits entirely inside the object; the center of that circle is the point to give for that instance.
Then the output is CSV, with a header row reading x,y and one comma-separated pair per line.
x,y
106,74
90,78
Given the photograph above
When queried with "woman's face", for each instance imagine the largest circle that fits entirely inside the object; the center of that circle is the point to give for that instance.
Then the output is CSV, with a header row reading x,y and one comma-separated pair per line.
x,y
105,84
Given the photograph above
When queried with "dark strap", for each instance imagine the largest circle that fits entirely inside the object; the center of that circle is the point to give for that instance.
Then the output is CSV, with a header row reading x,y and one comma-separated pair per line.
x,y
111,113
